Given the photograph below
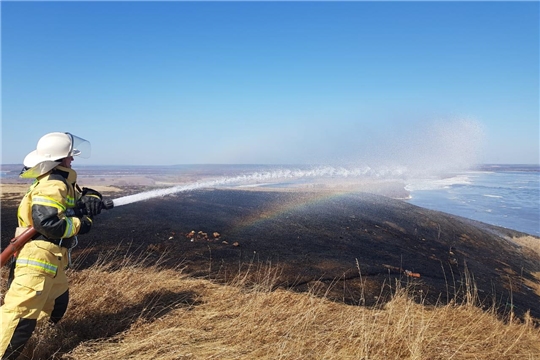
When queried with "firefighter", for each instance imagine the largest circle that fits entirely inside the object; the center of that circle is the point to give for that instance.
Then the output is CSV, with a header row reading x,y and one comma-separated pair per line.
x,y
59,210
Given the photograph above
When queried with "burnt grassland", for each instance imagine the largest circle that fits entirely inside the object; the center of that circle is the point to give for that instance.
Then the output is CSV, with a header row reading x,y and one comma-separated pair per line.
x,y
295,274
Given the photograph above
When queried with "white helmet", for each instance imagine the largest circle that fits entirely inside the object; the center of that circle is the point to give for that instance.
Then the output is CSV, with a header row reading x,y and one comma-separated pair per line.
x,y
52,148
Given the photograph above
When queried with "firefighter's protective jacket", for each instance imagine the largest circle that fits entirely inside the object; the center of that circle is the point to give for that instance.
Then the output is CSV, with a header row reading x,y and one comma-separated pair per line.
x,y
44,205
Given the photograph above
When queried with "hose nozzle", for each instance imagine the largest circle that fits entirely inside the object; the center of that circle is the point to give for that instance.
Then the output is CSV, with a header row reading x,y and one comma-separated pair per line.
x,y
108,204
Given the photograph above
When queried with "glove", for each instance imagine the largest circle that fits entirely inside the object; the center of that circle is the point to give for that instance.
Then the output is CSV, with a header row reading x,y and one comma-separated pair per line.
x,y
86,225
77,211
91,201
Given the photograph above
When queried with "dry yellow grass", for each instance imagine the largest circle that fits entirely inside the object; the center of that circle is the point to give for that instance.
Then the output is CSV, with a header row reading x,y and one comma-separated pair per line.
x,y
138,312
531,249
530,242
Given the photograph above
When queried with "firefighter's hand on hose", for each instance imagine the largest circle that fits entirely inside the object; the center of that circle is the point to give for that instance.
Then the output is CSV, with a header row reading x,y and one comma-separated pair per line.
x,y
92,201
86,225
77,211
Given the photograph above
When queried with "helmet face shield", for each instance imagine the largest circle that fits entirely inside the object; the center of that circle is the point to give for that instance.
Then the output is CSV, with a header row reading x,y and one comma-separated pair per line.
x,y
79,147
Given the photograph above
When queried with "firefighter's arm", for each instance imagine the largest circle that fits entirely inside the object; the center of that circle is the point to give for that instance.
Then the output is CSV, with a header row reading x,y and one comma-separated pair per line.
x,y
49,216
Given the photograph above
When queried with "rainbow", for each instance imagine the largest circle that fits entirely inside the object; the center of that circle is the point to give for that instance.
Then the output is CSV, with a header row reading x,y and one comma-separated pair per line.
x,y
295,203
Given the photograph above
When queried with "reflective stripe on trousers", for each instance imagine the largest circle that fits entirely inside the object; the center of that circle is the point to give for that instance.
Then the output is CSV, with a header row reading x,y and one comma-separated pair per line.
x,y
38,265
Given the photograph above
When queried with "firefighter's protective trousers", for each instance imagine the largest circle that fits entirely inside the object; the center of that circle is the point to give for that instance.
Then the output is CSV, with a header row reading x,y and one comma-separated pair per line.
x,y
39,289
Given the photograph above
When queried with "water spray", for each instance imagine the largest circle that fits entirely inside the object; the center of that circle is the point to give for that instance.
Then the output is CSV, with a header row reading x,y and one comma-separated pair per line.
x,y
326,172
436,150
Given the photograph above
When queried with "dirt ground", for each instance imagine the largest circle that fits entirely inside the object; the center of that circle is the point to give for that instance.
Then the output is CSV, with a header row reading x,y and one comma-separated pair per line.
x,y
352,246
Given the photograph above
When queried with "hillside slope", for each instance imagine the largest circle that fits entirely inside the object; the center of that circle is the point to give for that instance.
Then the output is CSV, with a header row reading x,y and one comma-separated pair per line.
x,y
348,244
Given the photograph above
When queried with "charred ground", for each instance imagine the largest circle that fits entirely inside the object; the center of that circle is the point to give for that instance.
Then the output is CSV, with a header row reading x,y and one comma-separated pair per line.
x,y
352,247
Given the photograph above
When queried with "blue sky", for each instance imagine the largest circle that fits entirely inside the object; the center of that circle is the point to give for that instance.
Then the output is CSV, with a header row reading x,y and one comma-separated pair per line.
x,y
273,82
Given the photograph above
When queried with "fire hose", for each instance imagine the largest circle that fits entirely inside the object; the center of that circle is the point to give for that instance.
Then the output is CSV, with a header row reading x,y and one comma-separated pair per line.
x,y
18,242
